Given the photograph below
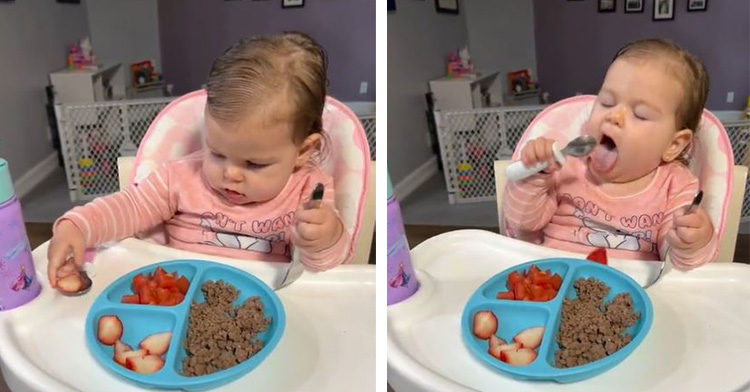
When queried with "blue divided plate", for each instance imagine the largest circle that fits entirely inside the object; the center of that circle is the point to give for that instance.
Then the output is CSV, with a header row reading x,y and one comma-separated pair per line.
x,y
515,316
139,321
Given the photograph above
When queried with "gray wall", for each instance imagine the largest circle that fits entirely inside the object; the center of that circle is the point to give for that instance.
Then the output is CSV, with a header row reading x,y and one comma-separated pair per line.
x,y
34,35
194,32
419,40
124,31
575,44
501,36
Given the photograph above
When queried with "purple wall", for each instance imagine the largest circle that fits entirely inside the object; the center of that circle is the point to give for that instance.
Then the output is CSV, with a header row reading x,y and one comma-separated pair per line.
x,y
194,32
575,44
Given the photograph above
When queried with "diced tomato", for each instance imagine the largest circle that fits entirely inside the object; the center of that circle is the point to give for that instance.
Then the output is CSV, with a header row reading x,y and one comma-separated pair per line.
x,y
162,294
550,294
533,270
556,281
537,292
513,278
599,256
541,278
138,281
179,297
172,301
166,281
182,284
131,299
505,295
520,291
146,295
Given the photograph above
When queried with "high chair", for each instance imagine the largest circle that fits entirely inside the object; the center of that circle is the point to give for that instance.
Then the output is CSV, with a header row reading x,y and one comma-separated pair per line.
x,y
177,131
722,181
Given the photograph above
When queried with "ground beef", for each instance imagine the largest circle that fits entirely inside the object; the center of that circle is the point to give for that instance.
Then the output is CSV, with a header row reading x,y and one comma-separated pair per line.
x,y
589,330
220,336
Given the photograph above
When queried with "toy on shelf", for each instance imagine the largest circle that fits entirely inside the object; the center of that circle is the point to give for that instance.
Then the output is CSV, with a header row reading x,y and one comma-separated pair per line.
x,y
81,55
520,82
460,64
144,74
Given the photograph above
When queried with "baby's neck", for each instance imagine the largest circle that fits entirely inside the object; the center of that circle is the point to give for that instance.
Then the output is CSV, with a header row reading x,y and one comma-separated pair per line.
x,y
620,189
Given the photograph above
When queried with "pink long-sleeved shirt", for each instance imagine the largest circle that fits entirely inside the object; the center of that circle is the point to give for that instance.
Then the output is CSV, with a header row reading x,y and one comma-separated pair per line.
x,y
196,218
571,213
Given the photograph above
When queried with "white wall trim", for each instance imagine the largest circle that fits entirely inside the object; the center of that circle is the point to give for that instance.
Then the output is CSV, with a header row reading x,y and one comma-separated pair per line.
x,y
36,175
410,183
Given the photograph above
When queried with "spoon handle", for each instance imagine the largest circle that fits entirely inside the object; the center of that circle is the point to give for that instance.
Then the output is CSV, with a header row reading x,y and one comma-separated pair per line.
x,y
517,171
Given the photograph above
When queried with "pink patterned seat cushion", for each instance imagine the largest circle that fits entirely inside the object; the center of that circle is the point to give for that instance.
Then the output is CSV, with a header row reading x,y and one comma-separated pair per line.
x,y
178,129
712,160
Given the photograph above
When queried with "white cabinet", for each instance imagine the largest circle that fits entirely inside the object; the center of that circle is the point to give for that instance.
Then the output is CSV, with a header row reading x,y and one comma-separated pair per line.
x,y
451,93
88,86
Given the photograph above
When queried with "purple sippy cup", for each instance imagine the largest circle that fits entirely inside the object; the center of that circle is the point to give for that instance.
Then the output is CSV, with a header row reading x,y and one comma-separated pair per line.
x,y
18,281
401,280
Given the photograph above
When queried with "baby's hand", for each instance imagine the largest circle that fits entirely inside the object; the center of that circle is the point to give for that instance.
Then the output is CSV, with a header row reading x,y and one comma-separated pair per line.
x,y
690,232
539,150
316,229
67,239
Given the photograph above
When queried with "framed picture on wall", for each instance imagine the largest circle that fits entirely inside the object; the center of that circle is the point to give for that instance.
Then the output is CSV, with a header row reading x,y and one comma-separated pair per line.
x,y
446,6
632,6
292,3
697,5
607,5
663,9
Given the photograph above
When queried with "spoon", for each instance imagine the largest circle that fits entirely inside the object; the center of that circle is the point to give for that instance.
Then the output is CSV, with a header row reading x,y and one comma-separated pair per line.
x,y
578,147
695,203
74,284
295,266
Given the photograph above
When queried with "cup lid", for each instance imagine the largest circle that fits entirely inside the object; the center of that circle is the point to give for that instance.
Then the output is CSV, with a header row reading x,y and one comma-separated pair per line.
x,y
6,183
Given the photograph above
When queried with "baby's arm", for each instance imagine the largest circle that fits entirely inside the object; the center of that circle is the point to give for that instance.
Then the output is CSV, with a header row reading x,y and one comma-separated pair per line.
x,y
692,237
528,205
125,213
320,224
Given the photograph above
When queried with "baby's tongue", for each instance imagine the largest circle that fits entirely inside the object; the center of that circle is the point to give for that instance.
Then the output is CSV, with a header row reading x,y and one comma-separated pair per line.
x,y
603,158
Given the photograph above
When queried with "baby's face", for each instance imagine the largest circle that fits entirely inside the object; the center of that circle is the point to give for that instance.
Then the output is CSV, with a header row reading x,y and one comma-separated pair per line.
x,y
634,118
251,160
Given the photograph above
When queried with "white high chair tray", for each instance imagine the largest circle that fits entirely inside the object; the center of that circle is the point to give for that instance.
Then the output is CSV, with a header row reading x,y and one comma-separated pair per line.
x,y
328,343
699,340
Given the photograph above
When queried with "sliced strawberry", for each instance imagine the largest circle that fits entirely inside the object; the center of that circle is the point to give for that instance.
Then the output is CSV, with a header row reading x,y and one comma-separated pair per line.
x,y
157,344
496,350
146,295
122,358
121,347
537,292
495,341
167,281
485,324
110,330
530,337
519,291
505,295
145,365
518,357
71,283
599,255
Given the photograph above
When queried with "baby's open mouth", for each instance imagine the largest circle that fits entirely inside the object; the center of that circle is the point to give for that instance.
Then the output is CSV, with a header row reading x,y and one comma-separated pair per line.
x,y
604,156
233,194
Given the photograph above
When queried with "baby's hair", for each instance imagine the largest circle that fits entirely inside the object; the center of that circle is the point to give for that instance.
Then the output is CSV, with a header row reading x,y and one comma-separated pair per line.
x,y
688,69
261,70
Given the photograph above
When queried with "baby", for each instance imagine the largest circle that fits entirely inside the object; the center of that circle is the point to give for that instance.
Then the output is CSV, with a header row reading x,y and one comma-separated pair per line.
x,y
242,195
630,194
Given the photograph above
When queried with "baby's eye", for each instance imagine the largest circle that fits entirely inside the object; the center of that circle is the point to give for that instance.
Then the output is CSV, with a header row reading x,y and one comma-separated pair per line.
x,y
640,117
217,155
253,165
606,104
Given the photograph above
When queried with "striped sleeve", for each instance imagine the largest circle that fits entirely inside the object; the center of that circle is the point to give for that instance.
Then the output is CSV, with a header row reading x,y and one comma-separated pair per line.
x,y
341,251
528,205
125,213
680,197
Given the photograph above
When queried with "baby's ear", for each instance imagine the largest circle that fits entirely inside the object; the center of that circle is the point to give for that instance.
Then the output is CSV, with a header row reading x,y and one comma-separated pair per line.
x,y
306,149
679,143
